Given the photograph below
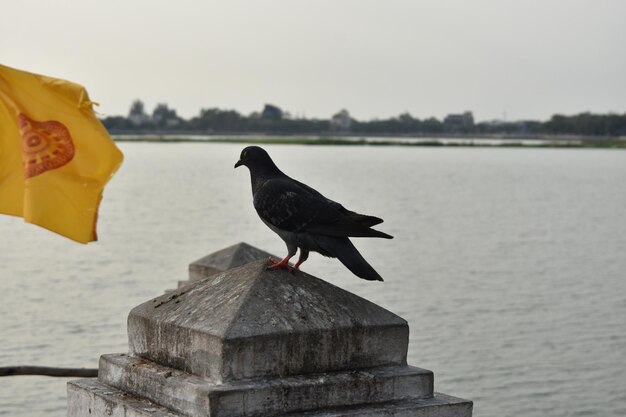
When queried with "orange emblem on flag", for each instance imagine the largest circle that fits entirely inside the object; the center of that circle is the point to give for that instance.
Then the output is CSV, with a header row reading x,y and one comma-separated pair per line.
x,y
45,145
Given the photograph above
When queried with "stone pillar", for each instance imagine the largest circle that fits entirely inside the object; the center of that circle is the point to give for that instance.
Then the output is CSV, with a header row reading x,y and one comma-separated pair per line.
x,y
251,342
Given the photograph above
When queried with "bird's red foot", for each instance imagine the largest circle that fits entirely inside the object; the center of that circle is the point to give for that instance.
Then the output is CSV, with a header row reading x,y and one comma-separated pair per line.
x,y
284,264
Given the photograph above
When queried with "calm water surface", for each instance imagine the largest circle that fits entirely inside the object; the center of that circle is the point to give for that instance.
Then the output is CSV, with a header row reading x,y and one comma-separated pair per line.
x,y
509,265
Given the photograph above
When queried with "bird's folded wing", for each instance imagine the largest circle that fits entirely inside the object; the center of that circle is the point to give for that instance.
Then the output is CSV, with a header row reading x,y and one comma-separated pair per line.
x,y
288,206
363,219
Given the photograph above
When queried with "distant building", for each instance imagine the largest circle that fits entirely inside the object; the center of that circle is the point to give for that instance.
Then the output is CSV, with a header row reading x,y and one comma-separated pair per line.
x,y
457,122
341,121
172,122
139,119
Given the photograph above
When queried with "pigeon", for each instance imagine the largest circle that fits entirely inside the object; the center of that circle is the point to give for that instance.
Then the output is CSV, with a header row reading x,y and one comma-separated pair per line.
x,y
305,219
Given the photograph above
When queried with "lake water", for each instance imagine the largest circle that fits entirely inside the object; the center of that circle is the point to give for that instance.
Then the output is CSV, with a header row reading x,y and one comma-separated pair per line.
x,y
509,264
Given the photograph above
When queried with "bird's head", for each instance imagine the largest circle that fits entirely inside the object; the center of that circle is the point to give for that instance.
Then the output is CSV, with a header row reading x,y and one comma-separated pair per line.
x,y
254,158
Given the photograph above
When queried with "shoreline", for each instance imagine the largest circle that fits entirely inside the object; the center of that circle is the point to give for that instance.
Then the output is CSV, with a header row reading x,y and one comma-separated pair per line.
x,y
454,141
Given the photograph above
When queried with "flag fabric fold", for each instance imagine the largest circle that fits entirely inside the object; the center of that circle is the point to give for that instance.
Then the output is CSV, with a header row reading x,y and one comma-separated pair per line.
x,y
55,155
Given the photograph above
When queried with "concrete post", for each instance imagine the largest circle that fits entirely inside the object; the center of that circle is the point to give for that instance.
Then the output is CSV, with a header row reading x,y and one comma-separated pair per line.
x,y
251,342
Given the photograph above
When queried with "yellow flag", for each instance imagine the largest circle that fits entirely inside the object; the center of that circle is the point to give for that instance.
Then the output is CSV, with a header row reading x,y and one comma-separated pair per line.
x,y
55,155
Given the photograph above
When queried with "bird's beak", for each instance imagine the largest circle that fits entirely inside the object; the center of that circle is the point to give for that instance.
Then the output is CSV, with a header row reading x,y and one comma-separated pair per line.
x,y
239,163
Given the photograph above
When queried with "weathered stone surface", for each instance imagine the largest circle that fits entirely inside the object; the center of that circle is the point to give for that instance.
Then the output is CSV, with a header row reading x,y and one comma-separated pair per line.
x,y
90,398
440,405
194,396
249,322
227,258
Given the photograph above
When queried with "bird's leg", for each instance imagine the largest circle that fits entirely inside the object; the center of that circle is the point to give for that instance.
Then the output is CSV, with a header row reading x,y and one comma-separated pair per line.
x,y
283,264
304,255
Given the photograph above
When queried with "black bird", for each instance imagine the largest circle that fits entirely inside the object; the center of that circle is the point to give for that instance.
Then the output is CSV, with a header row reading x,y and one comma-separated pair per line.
x,y
305,219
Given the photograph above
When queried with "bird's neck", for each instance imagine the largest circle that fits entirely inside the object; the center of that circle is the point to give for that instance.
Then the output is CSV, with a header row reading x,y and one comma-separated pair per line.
x,y
257,182
259,176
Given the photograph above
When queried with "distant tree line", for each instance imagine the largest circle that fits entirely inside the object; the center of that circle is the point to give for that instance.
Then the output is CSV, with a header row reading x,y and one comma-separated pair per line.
x,y
273,120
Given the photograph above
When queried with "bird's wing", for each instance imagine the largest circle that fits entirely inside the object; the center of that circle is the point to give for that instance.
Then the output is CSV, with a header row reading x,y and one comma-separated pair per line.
x,y
285,204
363,219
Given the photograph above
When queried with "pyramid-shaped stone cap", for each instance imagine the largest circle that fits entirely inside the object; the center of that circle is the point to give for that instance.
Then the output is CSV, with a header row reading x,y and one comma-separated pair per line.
x,y
250,322
227,258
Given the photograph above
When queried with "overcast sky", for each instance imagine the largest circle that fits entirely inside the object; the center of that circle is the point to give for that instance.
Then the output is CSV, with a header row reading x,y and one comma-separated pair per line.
x,y
528,58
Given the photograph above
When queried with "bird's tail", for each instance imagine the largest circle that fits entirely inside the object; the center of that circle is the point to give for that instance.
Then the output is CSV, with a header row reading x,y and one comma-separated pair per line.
x,y
342,249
